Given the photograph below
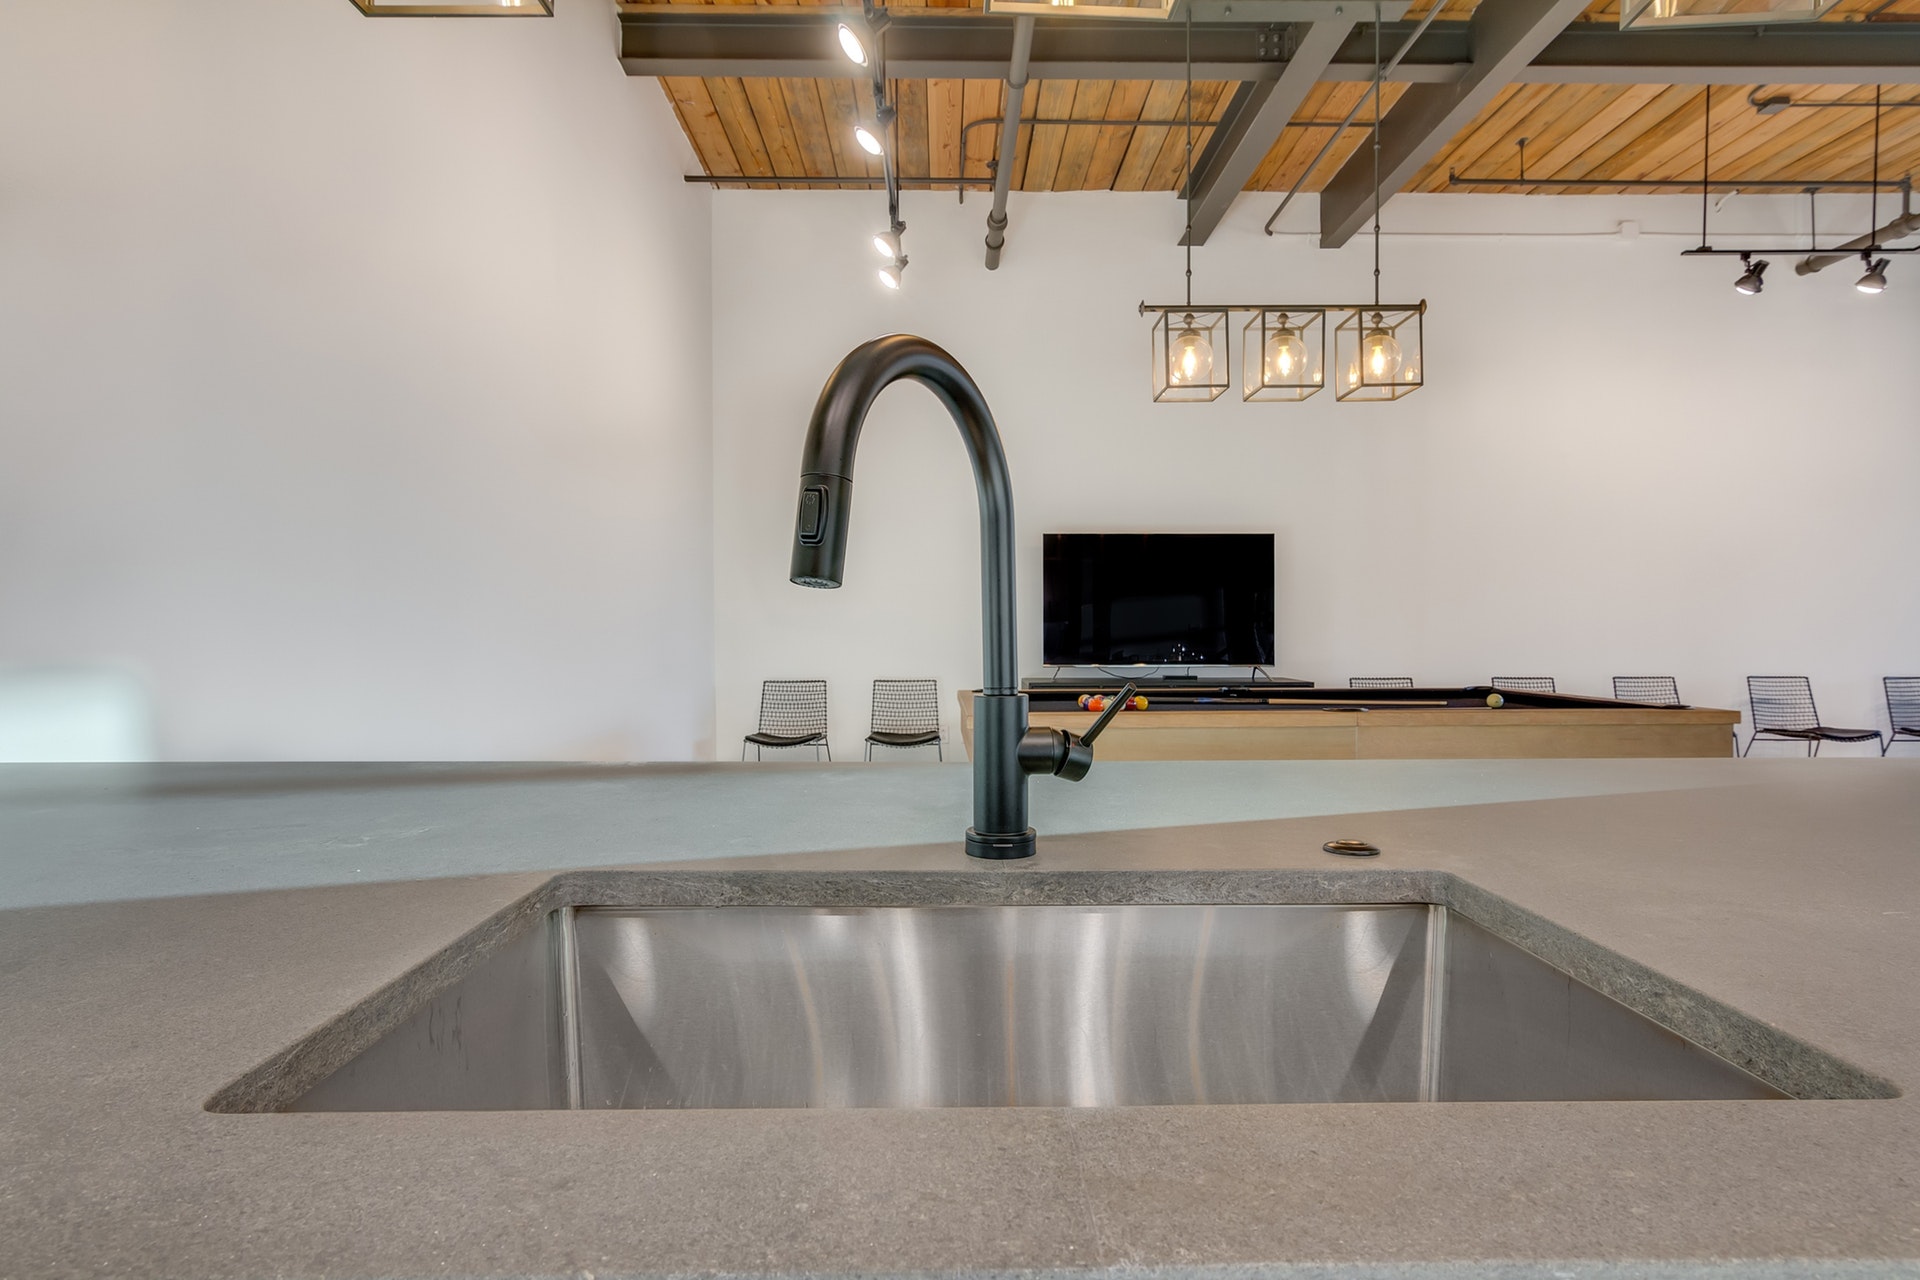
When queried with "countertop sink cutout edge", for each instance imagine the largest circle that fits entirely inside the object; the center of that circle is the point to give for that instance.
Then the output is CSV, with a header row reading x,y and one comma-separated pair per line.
x,y
1793,1065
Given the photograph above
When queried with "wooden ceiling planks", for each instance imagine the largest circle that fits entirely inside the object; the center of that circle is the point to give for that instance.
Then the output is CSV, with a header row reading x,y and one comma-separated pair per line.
x,y
803,128
1640,132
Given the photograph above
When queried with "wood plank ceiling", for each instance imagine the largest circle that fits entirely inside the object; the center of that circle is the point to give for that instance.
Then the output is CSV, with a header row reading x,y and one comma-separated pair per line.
x,y
948,129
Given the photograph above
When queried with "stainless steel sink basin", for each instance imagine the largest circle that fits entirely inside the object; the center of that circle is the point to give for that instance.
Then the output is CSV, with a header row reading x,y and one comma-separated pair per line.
x,y
1081,1006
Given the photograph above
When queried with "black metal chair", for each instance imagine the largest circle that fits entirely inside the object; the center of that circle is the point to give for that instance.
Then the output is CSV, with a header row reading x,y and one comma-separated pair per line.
x,y
1783,710
906,713
1656,691
1379,682
1525,684
1903,708
793,713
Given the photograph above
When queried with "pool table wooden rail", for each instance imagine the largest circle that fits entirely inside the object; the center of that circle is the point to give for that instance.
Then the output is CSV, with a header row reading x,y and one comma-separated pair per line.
x,y
1386,733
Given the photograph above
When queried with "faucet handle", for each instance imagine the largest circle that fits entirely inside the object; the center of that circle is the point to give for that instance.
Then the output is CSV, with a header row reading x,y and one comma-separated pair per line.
x,y
1121,701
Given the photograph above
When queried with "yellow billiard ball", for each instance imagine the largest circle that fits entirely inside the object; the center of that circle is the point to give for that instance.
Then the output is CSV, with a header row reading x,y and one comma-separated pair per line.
x,y
1495,700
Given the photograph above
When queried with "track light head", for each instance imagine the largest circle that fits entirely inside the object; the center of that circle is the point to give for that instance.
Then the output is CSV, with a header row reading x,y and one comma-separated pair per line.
x,y
1875,281
853,45
869,140
887,243
891,273
1754,278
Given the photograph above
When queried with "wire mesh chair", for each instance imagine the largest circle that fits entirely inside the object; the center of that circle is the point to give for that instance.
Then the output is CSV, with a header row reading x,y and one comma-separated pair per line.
x,y
1903,708
793,713
1525,684
1379,682
1657,691
1783,710
906,713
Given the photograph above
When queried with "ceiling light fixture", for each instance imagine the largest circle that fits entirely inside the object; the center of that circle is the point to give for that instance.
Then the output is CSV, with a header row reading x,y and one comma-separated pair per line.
x,y
1378,345
887,243
869,140
1873,254
1292,347
1875,281
890,274
1185,367
1374,364
852,45
1642,15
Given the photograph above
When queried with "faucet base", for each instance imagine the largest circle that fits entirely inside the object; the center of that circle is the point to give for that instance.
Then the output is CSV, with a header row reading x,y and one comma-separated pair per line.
x,y
1000,847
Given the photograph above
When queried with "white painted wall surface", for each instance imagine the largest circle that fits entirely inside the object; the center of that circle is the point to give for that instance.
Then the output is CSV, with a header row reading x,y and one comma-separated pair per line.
x,y
354,381
1619,466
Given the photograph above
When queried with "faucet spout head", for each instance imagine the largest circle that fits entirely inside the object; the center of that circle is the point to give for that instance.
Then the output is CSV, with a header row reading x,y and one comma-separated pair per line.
x,y
820,530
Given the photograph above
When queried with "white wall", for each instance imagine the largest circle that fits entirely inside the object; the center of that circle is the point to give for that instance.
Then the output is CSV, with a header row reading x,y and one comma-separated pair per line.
x,y
1619,466
354,379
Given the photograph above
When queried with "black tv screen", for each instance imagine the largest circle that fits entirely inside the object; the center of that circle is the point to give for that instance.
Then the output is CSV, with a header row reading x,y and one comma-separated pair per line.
x,y
1116,599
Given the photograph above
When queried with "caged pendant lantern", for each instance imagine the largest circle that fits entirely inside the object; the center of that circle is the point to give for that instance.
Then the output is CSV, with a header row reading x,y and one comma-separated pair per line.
x,y
1283,355
1378,352
1189,356
1191,348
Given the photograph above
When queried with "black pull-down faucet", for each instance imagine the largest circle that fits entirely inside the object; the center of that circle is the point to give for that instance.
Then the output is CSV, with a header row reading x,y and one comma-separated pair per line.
x,y
1005,751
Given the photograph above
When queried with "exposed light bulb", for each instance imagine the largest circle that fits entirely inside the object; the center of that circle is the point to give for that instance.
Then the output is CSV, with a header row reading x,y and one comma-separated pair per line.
x,y
852,45
1753,280
869,140
1286,354
1875,280
1190,359
1380,352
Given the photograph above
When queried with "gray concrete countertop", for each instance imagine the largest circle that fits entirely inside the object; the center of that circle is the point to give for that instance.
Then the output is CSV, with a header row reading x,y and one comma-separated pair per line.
x,y
132,987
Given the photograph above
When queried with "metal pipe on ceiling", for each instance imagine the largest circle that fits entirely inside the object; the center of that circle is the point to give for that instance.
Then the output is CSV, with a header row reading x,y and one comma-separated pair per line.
x,y
1907,224
1009,139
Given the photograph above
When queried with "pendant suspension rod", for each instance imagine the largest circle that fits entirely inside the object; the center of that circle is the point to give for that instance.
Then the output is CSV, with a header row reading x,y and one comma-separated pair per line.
x,y
1376,153
1873,214
1188,184
1706,151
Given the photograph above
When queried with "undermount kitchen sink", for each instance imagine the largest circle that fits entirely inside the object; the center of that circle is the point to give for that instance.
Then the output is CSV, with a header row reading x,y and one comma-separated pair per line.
x,y
1011,1005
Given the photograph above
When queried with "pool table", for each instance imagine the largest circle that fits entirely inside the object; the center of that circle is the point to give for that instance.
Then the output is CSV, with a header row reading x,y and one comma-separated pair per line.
x,y
1266,722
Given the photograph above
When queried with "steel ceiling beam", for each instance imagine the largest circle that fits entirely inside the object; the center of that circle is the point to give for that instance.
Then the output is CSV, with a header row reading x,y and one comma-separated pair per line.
x,y
1254,119
737,41
1505,38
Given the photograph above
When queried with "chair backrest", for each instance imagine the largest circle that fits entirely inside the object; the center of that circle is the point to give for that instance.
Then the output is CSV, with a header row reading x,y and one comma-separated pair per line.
x,y
1903,701
1782,702
1661,691
1379,682
906,706
1525,684
793,707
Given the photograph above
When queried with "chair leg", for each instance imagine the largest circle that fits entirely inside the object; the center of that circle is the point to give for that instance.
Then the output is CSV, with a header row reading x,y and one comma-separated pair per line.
x,y
1813,748
829,747
743,751
940,752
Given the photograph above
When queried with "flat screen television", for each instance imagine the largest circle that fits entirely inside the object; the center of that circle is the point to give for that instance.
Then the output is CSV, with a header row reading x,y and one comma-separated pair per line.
x,y
1123,599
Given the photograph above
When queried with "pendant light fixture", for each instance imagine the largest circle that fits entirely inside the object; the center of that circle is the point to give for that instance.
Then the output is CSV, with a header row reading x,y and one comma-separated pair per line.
x,y
1283,354
1378,350
1190,346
